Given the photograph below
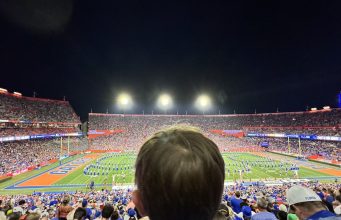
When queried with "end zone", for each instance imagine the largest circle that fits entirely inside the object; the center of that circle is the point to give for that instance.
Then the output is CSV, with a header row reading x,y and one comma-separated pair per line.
x,y
49,177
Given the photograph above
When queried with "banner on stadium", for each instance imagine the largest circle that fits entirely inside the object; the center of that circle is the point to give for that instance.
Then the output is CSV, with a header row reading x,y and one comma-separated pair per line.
x,y
295,136
99,133
329,138
39,136
14,138
264,144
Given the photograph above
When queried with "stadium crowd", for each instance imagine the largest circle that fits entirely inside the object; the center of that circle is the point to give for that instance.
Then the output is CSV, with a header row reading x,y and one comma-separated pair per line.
x,y
298,120
35,109
21,155
238,202
136,128
25,116
325,149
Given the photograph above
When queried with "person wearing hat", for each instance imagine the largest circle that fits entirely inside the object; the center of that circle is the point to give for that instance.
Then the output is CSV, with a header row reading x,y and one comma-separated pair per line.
x,y
307,205
235,203
244,200
131,213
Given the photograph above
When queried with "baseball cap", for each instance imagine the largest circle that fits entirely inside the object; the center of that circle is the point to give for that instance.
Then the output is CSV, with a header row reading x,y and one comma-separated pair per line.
x,y
297,194
244,196
283,208
84,203
131,212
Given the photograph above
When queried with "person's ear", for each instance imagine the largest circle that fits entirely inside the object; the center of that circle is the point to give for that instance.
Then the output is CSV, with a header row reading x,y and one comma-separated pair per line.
x,y
137,200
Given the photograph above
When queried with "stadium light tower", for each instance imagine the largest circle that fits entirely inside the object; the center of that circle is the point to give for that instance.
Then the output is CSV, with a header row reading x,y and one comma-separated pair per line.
x,y
203,103
124,102
164,102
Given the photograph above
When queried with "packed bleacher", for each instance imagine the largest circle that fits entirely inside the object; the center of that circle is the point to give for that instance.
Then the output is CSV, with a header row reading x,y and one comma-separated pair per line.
x,y
30,130
19,156
23,108
136,128
238,202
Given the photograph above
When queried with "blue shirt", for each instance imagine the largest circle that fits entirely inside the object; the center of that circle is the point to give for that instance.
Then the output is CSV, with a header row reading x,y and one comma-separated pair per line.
x,y
235,203
264,216
321,214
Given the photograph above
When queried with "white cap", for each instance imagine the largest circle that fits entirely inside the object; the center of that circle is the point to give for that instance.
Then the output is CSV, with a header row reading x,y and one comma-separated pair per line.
x,y
283,208
297,194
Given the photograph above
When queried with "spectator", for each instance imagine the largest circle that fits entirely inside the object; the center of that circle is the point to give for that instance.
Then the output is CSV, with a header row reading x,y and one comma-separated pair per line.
x,y
337,206
32,216
80,214
235,202
20,208
107,212
64,209
263,214
247,212
192,168
13,216
306,204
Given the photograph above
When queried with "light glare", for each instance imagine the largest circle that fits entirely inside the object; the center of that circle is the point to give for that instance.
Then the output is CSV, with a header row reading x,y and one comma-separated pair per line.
x,y
203,102
124,101
164,102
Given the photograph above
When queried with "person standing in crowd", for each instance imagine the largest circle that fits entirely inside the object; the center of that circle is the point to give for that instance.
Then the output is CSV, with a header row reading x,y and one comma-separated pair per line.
x,y
107,212
235,202
263,214
64,209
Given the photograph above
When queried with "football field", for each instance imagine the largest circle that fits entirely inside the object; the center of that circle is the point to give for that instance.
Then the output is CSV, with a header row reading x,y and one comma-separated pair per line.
x,y
76,173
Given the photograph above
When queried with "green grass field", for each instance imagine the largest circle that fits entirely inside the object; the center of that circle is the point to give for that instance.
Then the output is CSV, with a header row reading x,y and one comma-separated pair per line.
x,y
122,167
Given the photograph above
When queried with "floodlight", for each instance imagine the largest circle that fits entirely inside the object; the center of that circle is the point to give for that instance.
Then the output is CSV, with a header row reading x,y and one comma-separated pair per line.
x,y
124,101
203,103
165,102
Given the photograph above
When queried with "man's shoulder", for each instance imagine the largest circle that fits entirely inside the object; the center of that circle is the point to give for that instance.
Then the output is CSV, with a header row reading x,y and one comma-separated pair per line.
x,y
331,218
263,216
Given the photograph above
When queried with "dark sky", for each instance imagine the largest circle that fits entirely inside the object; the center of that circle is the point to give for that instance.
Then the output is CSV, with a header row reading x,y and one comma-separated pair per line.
x,y
245,54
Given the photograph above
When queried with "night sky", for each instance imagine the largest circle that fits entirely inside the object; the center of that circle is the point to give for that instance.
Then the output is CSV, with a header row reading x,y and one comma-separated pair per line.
x,y
247,55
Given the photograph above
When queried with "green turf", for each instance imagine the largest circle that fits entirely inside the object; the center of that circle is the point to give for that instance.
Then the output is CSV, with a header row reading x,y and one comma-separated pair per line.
x,y
233,161
122,176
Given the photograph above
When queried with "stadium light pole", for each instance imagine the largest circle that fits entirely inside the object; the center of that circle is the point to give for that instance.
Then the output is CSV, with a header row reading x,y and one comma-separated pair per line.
x,y
203,103
164,102
124,101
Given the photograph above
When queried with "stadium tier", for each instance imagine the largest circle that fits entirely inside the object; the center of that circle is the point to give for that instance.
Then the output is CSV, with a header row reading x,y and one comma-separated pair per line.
x,y
310,134
43,151
22,156
35,110
35,132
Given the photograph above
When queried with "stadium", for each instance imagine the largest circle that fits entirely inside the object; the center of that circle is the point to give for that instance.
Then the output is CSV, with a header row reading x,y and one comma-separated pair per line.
x,y
167,110
44,149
